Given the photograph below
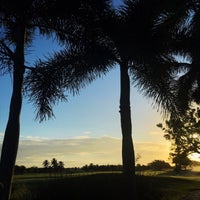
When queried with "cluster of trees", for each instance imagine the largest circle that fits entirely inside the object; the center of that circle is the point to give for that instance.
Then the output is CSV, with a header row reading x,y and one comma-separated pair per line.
x,y
184,134
156,165
96,167
144,37
53,166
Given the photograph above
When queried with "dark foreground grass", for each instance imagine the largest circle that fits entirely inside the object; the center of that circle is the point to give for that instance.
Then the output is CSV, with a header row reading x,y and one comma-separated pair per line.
x,y
104,186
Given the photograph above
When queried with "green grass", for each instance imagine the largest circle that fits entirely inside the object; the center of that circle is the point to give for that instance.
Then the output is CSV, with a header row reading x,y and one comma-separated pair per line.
x,y
150,186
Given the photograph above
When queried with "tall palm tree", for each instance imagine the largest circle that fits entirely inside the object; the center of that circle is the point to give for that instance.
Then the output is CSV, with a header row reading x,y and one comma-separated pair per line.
x,y
184,26
189,83
102,38
19,24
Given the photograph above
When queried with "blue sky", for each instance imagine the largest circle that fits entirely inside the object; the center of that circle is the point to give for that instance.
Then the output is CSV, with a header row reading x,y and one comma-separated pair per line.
x,y
87,127
94,112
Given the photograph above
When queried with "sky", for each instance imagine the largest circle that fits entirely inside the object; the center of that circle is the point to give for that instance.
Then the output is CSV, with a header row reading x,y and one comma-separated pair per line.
x,y
86,128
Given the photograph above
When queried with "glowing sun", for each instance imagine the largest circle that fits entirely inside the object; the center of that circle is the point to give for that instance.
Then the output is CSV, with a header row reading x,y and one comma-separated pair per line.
x,y
195,156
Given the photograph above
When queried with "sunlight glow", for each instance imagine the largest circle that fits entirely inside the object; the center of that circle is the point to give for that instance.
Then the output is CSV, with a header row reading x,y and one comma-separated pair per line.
x,y
195,156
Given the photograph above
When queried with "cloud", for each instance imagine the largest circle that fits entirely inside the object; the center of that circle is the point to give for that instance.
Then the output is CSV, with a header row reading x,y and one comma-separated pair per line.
x,y
80,151
33,138
1,136
87,132
82,137
73,152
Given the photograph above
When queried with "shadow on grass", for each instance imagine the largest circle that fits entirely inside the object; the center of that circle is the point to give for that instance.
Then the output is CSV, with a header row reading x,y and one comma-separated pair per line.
x,y
100,186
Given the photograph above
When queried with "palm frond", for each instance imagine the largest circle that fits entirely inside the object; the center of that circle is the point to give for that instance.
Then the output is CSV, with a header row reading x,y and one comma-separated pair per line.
x,y
6,58
66,71
156,81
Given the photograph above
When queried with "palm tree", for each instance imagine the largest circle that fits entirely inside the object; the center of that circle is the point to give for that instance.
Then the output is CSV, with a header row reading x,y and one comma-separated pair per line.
x,y
184,26
101,39
61,164
188,85
19,24
54,164
46,164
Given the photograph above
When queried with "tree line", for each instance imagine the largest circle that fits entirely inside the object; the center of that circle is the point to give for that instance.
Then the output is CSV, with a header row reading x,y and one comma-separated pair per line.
x,y
143,38
51,167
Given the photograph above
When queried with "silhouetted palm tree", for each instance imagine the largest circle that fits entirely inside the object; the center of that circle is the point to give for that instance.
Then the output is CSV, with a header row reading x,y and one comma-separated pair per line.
x,y
19,23
101,39
188,33
54,164
183,24
61,164
46,164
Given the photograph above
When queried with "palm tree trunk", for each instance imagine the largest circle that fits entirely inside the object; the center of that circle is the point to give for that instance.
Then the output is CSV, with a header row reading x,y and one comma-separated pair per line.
x,y
12,132
128,157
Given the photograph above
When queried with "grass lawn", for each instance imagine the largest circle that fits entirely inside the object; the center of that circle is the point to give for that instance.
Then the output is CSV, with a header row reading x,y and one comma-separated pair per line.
x,y
104,186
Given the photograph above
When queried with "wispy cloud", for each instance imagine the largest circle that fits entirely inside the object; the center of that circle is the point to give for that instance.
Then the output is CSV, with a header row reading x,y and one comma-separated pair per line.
x,y
82,137
87,132
82,150
33,138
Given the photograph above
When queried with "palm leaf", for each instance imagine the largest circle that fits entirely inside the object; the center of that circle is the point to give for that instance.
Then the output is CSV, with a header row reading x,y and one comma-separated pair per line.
x,y
69,70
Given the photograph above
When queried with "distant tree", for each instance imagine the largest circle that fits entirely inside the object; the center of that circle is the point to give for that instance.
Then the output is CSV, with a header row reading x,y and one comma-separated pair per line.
x,y
33,169
46,164
61,166
54,164
183,132
20,169
93,167
140,167
137,158
158,165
